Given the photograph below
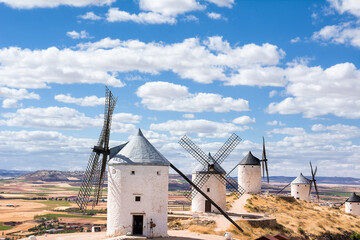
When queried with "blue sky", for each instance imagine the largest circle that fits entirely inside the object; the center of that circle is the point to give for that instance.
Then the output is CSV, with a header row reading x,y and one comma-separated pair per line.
x,y
286,70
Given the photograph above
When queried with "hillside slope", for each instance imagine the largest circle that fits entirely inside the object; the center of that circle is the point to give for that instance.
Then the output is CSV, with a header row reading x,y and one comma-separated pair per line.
x,y
299,220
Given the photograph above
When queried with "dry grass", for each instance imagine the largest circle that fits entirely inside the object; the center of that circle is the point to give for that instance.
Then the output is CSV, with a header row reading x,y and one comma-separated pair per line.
x,y
299,219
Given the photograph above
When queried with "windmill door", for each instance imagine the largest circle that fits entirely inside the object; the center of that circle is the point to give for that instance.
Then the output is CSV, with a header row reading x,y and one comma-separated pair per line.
x,y
138,224
207,206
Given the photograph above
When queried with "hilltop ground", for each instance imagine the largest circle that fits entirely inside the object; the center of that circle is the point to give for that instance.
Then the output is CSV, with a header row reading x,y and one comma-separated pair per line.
x,y
299,219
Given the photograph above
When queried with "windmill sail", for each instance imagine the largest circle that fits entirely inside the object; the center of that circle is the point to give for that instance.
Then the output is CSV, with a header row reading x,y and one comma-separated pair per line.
x,y
93,179
313,181
264,162
211,165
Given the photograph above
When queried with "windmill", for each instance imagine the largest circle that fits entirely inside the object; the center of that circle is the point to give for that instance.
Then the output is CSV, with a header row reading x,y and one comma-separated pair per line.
x,y
211,165
93,178
300,185
263,163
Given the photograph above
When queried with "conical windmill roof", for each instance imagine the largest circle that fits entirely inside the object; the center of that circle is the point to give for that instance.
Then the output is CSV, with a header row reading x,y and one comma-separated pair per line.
x,y
301,180
250,159
353,198
139,151
201,169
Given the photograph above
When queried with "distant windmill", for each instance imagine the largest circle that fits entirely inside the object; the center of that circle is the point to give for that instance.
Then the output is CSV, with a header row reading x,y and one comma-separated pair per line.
x,y
209,168
249,171
301,186
93,179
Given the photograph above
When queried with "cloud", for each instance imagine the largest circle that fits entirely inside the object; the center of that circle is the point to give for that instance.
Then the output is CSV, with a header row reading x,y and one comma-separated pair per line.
x,y
11,96
316,92
78,35
170,7
243,120
164,96
86,101
28,4
295,40
346,6
188,115
101,61
275,123
114,15
65,118
273,93
325,146
200,127
222,3
190,18
213,15
90,16
347,33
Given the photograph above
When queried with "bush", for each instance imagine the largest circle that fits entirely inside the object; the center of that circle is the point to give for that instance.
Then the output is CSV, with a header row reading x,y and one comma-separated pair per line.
x,y
355,236
301,231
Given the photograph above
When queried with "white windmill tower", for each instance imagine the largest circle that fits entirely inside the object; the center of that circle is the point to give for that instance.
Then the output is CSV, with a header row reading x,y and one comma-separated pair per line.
x,y
301,186
249,171
352,204
249,174
137,189
215,189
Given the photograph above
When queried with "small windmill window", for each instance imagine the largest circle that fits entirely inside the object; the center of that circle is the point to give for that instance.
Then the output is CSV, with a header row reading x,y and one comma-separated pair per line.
x,y
132,173
113,171
137,198
208,189
158,173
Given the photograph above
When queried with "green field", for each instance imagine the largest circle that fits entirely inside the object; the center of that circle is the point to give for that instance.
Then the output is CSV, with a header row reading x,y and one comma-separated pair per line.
x,y
3,228
55,215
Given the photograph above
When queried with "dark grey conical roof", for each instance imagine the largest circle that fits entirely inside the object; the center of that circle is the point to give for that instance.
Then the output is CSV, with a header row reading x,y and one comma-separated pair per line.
x,y
353,198
139,151
250,159
201,169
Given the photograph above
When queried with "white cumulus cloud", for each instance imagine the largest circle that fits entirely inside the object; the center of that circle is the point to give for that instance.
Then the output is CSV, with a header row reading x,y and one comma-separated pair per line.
x,y
164,96
170,7
90,16
346,33
28,4
85,101
315,91
101,61
65,118
11,96
243,120
214,15
78,35
200,127
222,3
115,15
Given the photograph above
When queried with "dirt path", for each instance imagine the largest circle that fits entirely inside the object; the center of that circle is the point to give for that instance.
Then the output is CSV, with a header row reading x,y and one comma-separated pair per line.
x,y
173,235
238,205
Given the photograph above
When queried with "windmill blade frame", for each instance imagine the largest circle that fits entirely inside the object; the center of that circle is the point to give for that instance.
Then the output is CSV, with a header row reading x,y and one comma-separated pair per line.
x,y
93,178
227,148
264,161
313,173
194,150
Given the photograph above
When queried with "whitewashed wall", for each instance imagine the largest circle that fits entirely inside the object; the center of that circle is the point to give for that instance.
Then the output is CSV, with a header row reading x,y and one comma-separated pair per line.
x,y
217,194
122,189
300,191
249,178
353,208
